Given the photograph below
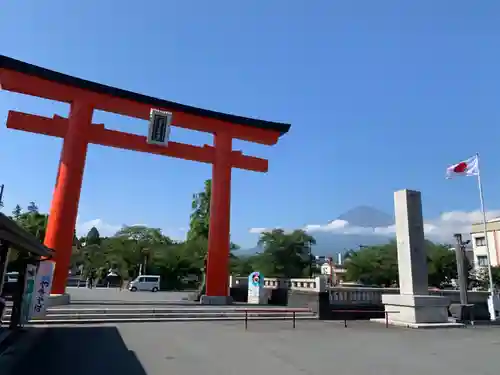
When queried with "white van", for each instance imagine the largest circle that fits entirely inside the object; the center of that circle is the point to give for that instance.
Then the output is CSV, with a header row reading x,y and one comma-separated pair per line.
x,y
145,282
11,277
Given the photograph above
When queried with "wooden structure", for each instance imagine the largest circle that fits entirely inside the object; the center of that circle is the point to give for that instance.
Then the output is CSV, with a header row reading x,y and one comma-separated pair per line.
x,y
78,131
30,248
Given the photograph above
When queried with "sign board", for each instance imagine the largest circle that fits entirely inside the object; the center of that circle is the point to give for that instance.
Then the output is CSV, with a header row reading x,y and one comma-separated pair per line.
x,y
326,269
159,127
256,288
43,285
29,289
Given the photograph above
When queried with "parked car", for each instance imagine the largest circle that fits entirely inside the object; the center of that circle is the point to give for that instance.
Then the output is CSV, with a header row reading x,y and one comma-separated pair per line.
x,y
9,284
145,282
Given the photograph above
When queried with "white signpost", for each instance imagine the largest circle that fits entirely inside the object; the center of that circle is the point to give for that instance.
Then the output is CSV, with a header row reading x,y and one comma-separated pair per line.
x,y
256,292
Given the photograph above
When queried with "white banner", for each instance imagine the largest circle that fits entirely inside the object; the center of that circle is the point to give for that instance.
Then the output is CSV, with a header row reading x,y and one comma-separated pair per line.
x,y
43,285
29,289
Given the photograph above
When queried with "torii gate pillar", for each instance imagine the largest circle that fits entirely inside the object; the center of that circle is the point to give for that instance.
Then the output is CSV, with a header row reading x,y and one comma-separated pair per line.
x,y
64,206
218,237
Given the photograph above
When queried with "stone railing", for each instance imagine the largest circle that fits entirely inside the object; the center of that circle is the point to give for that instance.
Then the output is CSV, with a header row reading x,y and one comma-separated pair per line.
x,y
318,284
350,295
359,295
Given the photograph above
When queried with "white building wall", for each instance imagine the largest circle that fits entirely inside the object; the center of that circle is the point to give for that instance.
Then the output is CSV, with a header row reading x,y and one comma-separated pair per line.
x,y
480,250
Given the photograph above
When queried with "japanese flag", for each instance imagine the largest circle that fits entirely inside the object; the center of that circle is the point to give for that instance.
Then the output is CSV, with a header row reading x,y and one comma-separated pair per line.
x,y
467,167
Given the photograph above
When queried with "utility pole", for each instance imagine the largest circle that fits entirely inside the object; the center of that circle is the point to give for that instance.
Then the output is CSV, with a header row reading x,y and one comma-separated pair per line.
x,y
1,195
330,263
310,260
461,268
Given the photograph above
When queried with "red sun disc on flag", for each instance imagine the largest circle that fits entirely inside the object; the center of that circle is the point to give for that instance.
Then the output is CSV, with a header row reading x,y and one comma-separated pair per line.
x,y
460,167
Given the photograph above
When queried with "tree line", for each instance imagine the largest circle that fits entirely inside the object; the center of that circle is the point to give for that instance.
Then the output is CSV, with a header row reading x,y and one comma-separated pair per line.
x,y
378,266
135,250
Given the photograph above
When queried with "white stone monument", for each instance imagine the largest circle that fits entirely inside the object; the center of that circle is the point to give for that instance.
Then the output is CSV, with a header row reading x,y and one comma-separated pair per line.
x,y
256,292
413,306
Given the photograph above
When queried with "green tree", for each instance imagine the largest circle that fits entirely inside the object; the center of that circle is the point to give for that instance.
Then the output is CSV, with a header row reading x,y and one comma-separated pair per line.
x,y
196,250
174,265
124,254
32,207
142,242
285,254
200,216
93,237
34,222
16,213
143,235
199,225
373,265
378,265
76,242
442,264
93,259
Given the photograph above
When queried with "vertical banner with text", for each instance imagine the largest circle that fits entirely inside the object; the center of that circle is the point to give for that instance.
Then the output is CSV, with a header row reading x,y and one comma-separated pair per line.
x,y
43,285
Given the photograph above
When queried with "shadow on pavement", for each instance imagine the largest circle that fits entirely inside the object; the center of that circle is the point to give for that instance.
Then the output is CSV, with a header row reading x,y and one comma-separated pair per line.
x,y
80,350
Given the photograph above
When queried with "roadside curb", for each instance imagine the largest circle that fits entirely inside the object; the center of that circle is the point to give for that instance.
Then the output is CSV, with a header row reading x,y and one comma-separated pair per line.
x,y
15,353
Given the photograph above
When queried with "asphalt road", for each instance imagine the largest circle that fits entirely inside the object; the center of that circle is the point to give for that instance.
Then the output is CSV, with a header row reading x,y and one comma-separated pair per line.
x,y
216,348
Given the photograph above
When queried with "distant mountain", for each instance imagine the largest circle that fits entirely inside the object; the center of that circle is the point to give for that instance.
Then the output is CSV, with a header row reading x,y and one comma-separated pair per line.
x,y
331,243
367,217
247,252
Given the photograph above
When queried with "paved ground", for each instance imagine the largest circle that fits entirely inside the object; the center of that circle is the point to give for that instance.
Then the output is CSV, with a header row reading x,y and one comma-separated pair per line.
x,y
266,348
114,295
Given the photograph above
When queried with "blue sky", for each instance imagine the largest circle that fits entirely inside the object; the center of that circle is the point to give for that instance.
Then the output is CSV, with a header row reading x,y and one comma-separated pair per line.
x,y
382,95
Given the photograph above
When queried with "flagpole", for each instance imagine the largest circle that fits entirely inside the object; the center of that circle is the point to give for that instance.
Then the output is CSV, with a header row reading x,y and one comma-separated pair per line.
x,y
485,228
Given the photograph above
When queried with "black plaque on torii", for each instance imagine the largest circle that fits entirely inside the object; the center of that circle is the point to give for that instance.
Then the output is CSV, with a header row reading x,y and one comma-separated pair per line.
x,y
159,127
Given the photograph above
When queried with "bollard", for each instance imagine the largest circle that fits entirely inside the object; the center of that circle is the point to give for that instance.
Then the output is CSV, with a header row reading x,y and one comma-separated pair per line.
x,y
246,320
293,318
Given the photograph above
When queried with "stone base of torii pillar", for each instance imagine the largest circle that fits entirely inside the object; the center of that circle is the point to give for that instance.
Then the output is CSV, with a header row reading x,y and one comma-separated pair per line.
x,y
58,300
413,307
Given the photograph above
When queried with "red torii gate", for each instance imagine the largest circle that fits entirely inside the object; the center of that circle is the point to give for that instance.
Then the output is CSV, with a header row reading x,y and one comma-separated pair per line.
x,y
78,131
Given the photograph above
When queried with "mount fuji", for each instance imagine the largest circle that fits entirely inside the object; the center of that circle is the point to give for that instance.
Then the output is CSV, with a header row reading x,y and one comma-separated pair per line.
x,y
364,219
